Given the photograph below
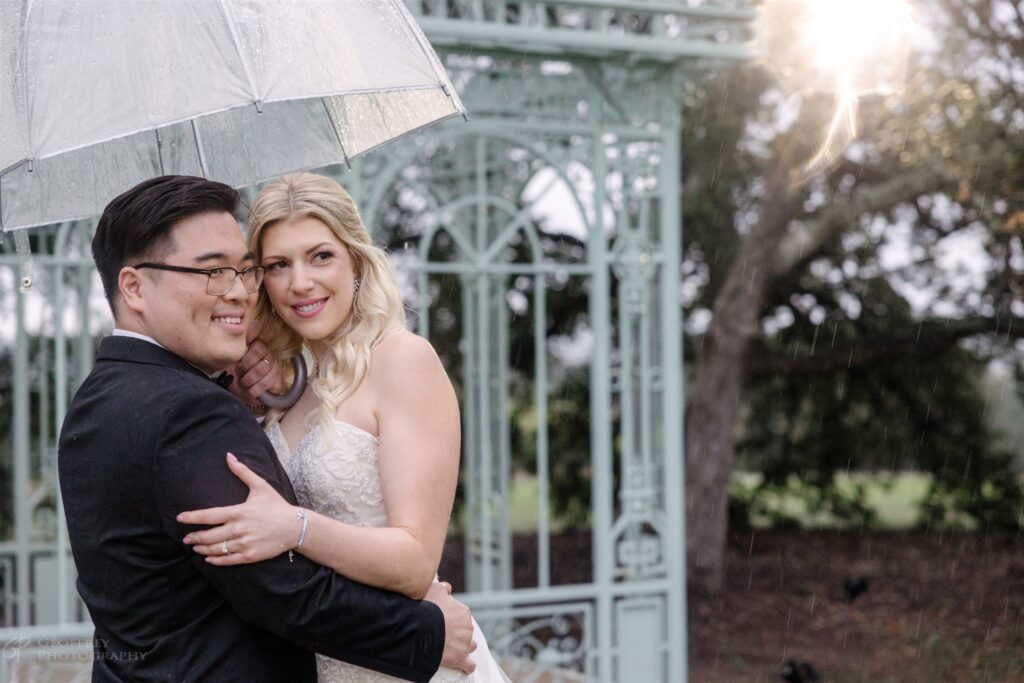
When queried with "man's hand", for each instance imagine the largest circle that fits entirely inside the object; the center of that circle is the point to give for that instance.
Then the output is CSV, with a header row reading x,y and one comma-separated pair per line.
x,y
458,628
258,371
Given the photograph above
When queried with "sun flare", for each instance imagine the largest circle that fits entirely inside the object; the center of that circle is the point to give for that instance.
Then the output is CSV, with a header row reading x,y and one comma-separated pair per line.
x,y
854,41
847,48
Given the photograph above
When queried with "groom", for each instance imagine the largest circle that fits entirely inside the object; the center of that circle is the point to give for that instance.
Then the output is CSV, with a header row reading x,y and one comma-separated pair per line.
x,y
144,439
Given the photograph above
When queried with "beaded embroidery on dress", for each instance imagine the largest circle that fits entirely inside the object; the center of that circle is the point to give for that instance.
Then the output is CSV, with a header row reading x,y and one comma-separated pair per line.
x,y
340,478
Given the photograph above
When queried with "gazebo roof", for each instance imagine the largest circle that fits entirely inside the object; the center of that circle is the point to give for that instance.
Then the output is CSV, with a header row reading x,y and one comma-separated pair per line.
x,y
661,30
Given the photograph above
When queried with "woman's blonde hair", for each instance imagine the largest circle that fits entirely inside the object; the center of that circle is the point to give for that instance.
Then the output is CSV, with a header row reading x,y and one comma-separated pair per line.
x,y
376,306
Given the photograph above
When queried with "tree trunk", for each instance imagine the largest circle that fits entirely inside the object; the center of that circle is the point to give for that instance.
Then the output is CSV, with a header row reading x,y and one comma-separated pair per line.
x,y
717,388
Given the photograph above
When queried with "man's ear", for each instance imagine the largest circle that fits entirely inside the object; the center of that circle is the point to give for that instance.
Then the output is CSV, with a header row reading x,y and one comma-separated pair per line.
x,y
129,283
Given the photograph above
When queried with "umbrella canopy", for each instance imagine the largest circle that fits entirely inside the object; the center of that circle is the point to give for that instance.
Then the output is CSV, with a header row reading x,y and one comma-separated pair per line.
x,y
98,95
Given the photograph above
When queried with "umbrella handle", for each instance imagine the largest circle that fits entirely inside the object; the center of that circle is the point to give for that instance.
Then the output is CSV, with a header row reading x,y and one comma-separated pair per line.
x,y
291,397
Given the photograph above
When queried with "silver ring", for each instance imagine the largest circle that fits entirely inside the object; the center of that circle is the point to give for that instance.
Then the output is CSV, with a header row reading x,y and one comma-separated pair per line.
x,y
266,361
224,549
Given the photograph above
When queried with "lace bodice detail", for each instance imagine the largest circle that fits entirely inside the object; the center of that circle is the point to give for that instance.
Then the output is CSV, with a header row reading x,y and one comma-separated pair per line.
x,y
338,477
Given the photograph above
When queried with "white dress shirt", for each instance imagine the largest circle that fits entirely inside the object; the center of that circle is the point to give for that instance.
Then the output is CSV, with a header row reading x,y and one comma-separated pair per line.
x,y
136,335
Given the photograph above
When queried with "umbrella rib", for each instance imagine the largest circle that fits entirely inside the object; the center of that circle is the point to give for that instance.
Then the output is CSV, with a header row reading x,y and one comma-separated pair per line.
x,y
199,149
24,82
13,166
241,56
337,133
428,52
159,150
412,131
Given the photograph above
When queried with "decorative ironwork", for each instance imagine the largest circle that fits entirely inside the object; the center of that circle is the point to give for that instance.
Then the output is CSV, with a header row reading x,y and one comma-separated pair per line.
x,y
542,643
658,30
639,528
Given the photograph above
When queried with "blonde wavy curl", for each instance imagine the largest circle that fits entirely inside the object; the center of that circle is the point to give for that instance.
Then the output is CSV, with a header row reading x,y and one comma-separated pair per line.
x,y
376,308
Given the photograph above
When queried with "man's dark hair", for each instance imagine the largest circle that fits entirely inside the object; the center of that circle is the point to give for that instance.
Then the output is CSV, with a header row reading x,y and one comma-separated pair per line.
x,y
137,224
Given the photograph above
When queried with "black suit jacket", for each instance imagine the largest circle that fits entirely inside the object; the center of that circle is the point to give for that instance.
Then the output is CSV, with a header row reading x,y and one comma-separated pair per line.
x,y
144,439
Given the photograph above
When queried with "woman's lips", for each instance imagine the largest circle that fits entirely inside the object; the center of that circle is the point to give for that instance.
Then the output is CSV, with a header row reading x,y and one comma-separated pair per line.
x,y
309,309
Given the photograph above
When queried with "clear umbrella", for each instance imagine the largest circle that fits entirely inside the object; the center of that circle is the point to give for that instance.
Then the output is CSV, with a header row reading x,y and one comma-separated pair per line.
x,y
97,95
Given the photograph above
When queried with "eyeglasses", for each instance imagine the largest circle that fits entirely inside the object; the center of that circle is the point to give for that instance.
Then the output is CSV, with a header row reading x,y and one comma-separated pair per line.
x,y
219,280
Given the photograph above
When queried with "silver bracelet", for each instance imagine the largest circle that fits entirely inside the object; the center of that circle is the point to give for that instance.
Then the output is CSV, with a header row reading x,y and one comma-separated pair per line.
x,y
304,516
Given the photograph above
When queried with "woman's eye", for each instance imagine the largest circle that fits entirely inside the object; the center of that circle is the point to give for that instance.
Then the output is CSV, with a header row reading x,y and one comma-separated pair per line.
x,y
276,265
322,256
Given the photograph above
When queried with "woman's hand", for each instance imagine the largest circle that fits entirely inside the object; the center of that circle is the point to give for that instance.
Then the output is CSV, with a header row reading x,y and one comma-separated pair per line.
x,y
264,526
258,371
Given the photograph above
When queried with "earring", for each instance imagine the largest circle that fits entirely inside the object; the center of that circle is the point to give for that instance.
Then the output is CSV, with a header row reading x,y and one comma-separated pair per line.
x,y
355,286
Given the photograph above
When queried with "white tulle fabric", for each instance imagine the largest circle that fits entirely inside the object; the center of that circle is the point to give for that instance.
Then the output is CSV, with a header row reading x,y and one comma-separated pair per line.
x,y
340,478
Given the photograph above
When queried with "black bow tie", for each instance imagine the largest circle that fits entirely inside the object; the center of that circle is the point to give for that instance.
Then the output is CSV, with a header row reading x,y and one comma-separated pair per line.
x,y
223,380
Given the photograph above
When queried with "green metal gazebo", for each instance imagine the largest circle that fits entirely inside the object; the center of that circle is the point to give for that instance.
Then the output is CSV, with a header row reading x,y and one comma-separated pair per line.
x,y
565,180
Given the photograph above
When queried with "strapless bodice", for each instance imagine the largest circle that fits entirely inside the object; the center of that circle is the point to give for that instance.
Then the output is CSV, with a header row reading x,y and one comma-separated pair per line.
x,y
337,477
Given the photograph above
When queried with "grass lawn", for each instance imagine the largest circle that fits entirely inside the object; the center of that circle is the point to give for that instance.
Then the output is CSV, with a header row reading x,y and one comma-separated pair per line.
x,y
893,496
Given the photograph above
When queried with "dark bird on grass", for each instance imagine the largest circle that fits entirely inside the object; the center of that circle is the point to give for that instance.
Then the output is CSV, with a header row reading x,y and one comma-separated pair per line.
x,y
854,587
799,672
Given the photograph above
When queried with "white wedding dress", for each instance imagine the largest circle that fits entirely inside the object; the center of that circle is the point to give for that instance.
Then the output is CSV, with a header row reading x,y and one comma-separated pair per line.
x,y
341,479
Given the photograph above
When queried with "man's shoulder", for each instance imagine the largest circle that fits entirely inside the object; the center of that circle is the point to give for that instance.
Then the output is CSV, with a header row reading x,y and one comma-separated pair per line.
x,y
188,410
158,377
145,387
197,394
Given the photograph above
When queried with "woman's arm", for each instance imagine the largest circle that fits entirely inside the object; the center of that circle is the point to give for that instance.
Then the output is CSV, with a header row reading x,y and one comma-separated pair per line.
x,y
418,419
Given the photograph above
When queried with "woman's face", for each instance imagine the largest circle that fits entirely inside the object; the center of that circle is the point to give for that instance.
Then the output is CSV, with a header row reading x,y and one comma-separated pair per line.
x,y
309,277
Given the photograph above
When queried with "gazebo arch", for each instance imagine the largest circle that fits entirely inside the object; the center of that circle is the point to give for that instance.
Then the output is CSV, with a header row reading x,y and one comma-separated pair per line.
x,y
406,154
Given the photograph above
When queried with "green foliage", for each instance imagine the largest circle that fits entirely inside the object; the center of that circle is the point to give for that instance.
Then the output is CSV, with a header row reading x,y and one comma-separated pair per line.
x,y
990,502
834,504
716,170
917,409
846,374
920,410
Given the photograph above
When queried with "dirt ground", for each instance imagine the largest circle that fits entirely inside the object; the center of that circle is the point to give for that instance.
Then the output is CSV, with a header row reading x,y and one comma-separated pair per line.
x,y
936,608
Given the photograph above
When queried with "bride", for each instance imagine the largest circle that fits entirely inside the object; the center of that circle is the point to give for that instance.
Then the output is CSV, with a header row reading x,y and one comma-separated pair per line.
x,y
372,446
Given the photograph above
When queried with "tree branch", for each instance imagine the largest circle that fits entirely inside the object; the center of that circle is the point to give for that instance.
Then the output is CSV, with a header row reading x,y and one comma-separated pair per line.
x,y
925,339
837,217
